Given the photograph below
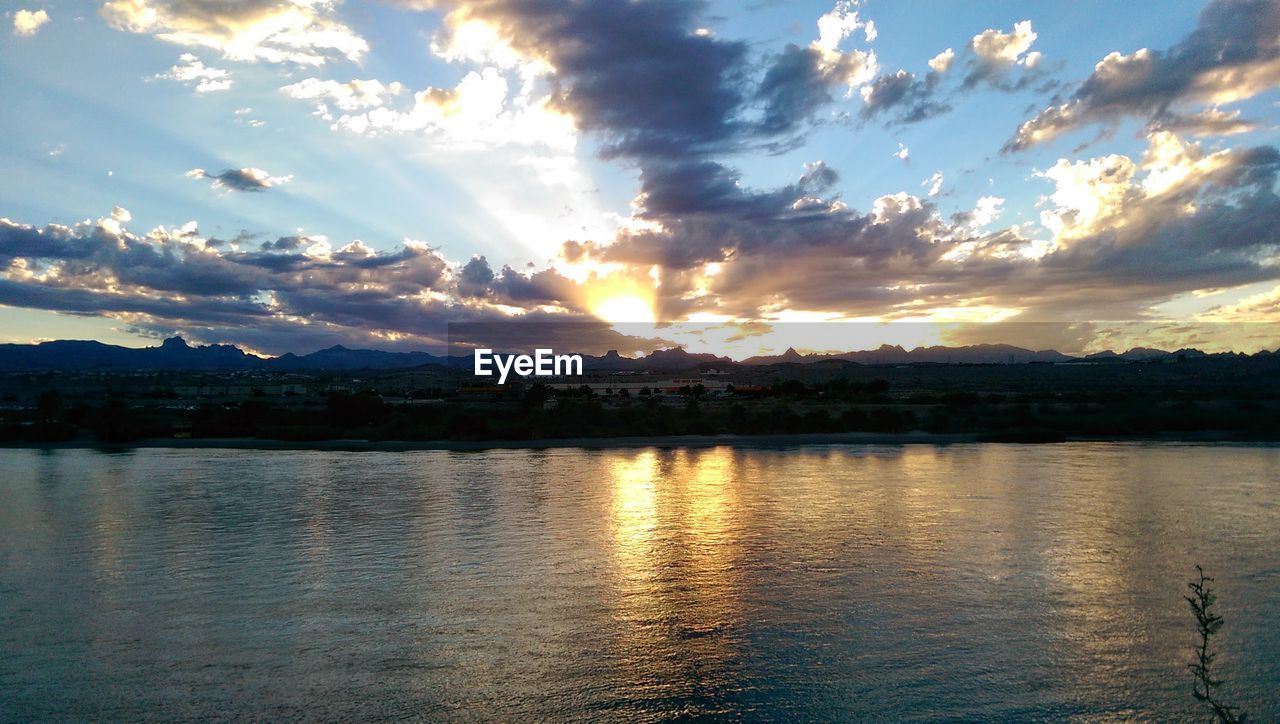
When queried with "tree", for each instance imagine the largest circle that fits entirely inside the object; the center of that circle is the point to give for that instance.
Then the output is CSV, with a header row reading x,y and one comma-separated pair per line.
x,y
1205,687
49,406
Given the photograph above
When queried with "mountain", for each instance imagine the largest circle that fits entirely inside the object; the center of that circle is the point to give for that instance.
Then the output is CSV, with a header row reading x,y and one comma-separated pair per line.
x,y
895,354
175,354
662,360
1148,354
342,358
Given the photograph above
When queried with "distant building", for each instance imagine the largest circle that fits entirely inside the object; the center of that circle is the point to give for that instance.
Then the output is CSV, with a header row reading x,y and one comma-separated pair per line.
x,y
239,390
611,387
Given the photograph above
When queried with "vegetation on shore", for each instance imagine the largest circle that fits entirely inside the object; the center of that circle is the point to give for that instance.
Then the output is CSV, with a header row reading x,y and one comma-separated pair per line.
x,y
1206,687
531,412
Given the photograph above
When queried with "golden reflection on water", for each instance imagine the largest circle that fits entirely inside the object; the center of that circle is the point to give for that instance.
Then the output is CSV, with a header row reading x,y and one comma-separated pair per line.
x,y
635,512
965,582
676,523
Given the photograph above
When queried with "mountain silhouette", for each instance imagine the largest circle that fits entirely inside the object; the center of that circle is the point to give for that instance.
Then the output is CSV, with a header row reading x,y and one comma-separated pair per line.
x,y
175,353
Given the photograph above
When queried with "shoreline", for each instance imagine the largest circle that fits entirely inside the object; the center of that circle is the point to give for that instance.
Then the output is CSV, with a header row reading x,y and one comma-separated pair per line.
x,y
595,443
587,443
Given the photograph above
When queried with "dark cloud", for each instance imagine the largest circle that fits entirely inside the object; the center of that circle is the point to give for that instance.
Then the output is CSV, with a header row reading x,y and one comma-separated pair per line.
x,y
1233,54
993,60
800,81
675,103
1181,220
903,97
634,73
242,179
285,243
1215,224
659,93
173,276
276,299
793,89
473,280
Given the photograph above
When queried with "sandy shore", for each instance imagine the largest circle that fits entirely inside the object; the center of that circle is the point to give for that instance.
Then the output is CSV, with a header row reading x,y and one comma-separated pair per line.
x,y
591,443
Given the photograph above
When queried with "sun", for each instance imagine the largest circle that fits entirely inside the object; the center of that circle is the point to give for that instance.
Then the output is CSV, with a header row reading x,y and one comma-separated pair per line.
x,y
624,308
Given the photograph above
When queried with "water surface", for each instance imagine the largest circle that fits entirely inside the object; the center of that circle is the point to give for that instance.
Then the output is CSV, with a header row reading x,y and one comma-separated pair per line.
x,y
968,581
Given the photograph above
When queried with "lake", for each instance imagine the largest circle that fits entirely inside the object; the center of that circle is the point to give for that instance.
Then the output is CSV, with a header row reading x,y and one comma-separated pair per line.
x,y
821,582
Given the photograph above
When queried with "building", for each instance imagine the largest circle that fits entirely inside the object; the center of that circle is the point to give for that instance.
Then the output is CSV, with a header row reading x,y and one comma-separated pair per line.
x,y
610,387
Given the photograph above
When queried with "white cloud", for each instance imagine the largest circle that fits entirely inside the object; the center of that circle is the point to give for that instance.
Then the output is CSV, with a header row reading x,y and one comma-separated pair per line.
x,y
26,22
121,214
191,69
1094,193
903,152
934,183
274,31
994,46
941,62
354,95
480,112
1088,194
855,67
986,211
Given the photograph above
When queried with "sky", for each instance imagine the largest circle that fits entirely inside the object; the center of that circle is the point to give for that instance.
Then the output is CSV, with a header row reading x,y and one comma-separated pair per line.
x,y
286,175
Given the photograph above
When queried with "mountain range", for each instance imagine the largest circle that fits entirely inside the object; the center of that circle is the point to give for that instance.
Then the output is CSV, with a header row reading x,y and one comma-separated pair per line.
x,y
176,354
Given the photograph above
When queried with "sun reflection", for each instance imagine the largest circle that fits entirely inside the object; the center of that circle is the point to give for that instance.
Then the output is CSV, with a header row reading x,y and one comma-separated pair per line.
x,y
675,525
707,491
634,510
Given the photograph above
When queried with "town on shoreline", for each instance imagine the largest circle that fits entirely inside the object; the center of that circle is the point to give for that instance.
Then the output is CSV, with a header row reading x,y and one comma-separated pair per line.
x,y
362,400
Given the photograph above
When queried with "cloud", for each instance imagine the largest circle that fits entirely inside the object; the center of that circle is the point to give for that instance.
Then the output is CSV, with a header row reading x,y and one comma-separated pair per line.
x,y
353,95
996,47
1116,234
941,63
984,212
292,294
27,23
176,274
1233,54
995,53
904,97
474,278
901,97
1122,235
1255,308
191,69
1208,122
715,245
617,64
243,179
934,183
799,81
304,32
1119,235
903,153
479,112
